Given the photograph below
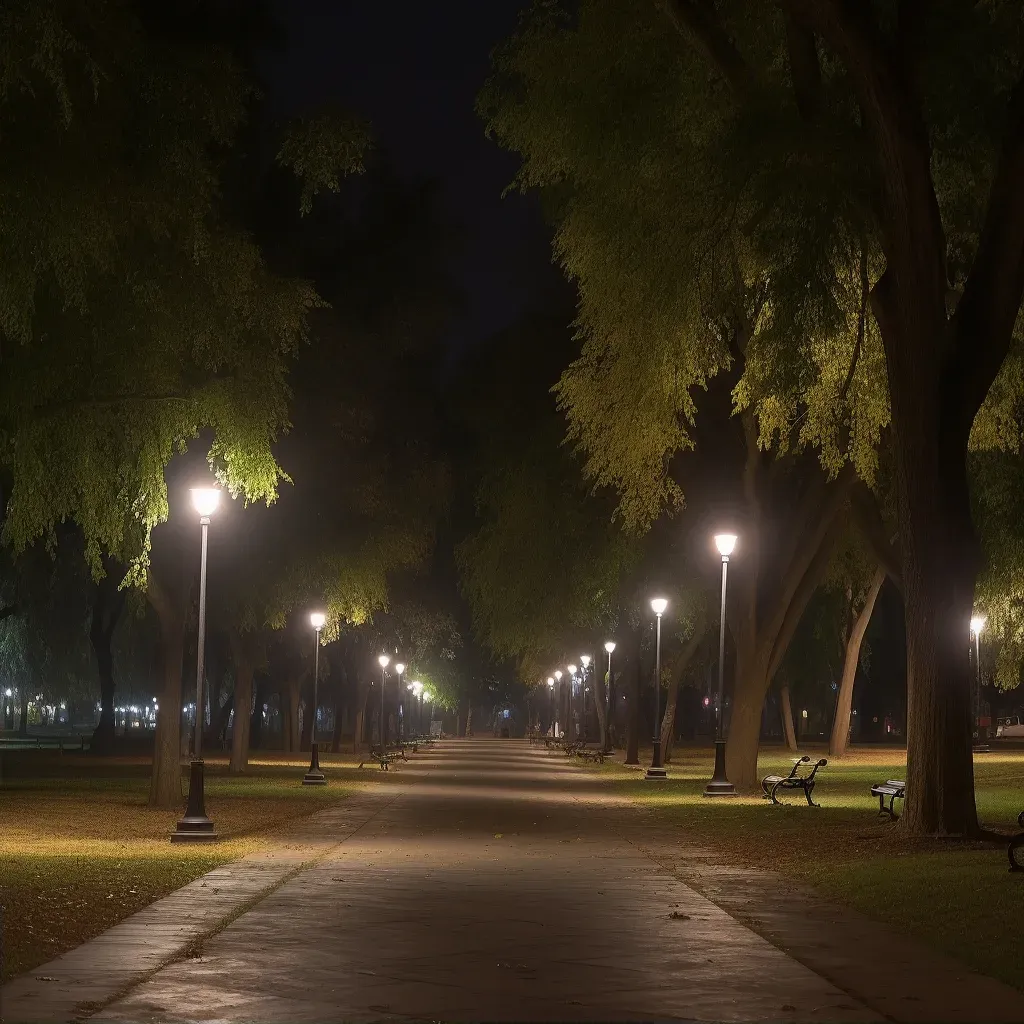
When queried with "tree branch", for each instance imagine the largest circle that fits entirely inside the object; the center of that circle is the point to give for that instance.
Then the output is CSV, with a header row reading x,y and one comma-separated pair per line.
x,y
991,299
868,519
804,66
810,531
7,611
809,583
697,22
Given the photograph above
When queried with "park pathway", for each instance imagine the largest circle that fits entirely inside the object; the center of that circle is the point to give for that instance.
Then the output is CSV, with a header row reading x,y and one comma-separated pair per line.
x,y
496,881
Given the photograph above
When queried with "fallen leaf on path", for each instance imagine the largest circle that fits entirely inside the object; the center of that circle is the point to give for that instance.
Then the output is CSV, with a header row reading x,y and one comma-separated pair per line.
x,y
677,915
497,835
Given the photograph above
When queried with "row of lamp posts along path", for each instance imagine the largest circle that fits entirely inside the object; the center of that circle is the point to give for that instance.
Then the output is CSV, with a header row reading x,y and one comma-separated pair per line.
x,y
719,784
195,825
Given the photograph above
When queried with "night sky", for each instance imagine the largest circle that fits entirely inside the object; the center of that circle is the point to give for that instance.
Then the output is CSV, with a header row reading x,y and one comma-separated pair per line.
x,y
414,71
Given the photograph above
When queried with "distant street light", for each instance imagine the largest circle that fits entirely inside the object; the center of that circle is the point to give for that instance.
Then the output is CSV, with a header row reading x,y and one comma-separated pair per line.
x,y
399,668
720,784
315,777
551,703
977,625
572,670
609,647
585,661
558,699
384,661
195,826
657,769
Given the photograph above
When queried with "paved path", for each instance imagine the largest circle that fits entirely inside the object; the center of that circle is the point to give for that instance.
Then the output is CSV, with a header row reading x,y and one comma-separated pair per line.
x,y
494,883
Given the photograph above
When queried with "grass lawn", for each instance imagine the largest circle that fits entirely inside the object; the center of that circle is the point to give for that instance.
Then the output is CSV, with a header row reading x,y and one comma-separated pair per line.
x,y
957,896
80,850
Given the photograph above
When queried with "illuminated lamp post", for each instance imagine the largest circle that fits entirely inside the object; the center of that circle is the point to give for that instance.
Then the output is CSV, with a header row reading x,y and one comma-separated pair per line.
x,y
383,661
399,668
720,784
609,647
195,826
657,769
977,625
314,776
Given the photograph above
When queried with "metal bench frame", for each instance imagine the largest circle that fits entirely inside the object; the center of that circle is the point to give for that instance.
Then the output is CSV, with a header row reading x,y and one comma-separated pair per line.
x,y
771,784
1016,843
894,789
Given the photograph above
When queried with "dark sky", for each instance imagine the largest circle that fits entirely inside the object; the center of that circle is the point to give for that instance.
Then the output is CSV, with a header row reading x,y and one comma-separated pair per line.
x,y
414,70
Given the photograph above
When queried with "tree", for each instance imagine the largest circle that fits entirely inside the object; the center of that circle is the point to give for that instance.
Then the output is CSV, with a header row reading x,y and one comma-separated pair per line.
x,y
135,313
818,195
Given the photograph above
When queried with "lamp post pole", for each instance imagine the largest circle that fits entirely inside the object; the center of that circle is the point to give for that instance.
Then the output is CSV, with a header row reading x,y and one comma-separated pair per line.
x,y
657,769
195,826
558,701
585,662
314,776
720,784
977,624
399,669
383,661
609,647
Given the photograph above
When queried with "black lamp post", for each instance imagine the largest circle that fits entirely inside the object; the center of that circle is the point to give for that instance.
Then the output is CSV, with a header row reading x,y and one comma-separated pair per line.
x,y
383,661
195,826
657,769
720,784
609,647
314,776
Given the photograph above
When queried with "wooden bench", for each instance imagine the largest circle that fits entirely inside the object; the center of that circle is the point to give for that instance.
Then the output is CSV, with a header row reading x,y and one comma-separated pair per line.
x,y
592,754
1016,843
894,789
771,784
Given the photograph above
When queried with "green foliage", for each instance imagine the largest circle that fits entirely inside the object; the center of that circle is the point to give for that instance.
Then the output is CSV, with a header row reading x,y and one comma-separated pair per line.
x,y
709,227
133,313
320,149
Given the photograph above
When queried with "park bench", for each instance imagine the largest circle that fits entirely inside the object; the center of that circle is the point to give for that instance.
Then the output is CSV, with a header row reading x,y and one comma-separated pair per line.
x,y
386,758
1016,843
771,784
894,789
592,754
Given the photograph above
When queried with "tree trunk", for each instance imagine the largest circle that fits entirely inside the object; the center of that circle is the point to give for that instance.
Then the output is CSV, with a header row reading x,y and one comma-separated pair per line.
x,y
744,726
256,721
840,737
244,673
308,718
290,699
633,705
23,718
469,718
940,555
668,721
600,690
786,707
338,727
165,785
108,603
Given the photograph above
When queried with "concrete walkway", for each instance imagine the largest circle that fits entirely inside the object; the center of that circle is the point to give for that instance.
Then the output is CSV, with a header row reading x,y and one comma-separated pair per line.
x,y
495,882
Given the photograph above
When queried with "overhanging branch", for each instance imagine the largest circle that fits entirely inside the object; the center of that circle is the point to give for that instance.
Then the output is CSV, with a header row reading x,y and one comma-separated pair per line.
x,y
698,22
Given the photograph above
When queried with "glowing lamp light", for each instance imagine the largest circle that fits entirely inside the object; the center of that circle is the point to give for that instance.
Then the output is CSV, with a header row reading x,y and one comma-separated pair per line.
x,y
609,646
7,692
205,500
384,661
558,675
585,658
978,624
726,543
399,667
658,605
551,682
572,669
317,620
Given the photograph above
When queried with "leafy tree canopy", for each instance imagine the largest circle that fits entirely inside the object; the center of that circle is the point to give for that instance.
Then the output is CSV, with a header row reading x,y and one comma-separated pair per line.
x,y
133,313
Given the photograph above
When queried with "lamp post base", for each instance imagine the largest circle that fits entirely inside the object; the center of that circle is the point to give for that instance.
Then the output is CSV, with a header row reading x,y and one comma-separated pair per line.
x,y
195,826
314,776
658,774
719,784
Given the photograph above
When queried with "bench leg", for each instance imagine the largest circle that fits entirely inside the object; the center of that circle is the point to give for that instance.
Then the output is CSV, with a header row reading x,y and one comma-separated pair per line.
x,y
772,796
1016,843
807,793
